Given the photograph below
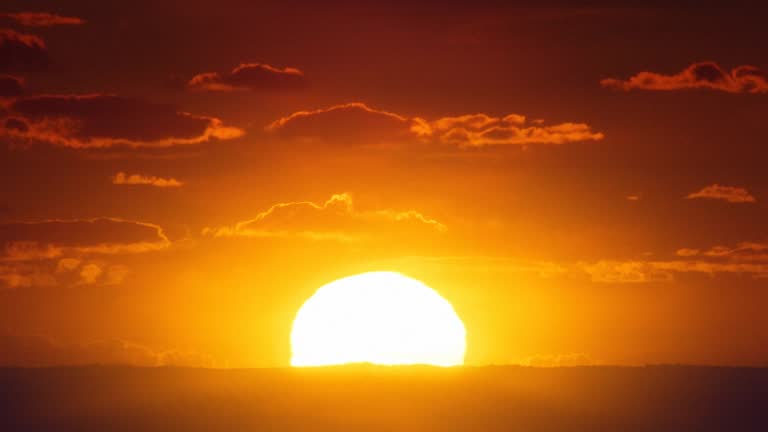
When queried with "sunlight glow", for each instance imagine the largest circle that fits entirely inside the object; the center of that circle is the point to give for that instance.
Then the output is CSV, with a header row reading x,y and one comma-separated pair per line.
x,y
382,318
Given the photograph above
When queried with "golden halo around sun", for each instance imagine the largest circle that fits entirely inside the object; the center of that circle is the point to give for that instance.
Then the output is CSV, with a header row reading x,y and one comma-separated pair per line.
x,y
382,318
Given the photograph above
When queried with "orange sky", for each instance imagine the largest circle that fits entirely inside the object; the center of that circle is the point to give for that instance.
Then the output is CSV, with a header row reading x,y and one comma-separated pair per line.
x,y
584,183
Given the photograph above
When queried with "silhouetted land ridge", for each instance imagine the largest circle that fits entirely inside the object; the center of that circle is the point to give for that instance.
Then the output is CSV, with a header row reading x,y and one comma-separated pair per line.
x,y
360,398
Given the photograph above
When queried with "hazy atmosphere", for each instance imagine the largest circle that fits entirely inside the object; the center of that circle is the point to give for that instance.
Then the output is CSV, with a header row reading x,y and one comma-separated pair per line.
x,y
584,183
401,215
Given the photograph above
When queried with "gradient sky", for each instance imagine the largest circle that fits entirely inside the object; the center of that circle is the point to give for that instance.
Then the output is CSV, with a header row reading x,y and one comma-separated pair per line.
x,y
584,182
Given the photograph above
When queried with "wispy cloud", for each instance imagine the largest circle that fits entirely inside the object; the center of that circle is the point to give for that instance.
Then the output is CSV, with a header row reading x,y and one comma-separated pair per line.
x,y
42,19
705,75
747,258
362,124
25,350
248,76
726,193
481,130
122,178
559,360
335,219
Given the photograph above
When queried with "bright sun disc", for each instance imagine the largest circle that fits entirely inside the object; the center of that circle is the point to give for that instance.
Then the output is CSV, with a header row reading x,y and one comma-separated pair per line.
x,y
381,318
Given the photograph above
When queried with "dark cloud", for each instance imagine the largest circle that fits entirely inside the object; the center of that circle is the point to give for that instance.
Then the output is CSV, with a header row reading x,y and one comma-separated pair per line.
x,y
16,124
249,76
98,121
11,86
353,121
751,78
22,52
41,19
20,241
704,75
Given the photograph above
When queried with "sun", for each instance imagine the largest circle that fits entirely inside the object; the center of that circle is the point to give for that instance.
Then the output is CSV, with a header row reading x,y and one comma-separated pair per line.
x,y
382,318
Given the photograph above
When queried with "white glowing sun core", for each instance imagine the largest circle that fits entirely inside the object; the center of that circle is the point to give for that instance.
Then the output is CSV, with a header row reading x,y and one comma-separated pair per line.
x,y
381,318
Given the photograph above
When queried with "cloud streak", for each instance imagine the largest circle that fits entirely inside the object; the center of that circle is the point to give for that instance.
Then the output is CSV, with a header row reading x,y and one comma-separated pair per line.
x,y
36,351
42,19
334,219
482,130
704,75
249,76
725,193
358,122
747,258
558,360
122,178
24,275
66,271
